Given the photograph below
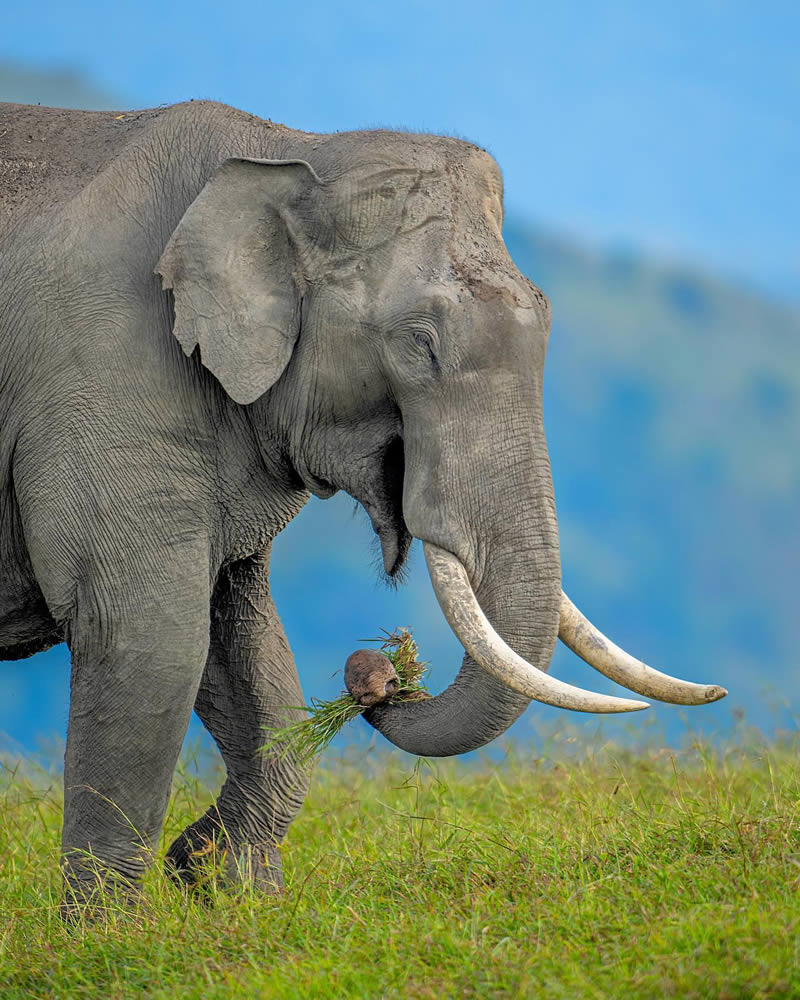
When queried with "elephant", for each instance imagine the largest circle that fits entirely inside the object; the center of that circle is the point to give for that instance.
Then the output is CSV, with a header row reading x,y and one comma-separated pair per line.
x,y
207,318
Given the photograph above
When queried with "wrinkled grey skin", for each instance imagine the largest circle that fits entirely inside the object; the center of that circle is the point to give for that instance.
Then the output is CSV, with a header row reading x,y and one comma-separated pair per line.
x,y
190,345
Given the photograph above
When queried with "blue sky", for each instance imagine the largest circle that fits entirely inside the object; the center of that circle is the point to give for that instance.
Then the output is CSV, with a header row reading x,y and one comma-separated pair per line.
x,y
665,127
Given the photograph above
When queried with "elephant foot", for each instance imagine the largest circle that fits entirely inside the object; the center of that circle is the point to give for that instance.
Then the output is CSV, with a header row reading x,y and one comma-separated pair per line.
x,y
206,852
99,895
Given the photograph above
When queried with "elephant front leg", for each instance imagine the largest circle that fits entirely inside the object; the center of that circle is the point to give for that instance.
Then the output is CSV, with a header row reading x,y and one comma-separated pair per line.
x,y
249,683
137,658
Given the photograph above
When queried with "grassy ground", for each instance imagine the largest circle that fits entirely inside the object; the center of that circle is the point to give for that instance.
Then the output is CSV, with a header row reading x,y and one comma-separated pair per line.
x,y
608,874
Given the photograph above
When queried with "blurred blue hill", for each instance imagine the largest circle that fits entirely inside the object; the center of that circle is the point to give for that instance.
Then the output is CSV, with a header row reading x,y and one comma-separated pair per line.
x,y
673,414
60,89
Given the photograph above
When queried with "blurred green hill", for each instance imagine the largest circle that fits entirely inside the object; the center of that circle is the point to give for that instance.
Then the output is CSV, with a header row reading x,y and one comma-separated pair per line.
x,y
673,415
672,405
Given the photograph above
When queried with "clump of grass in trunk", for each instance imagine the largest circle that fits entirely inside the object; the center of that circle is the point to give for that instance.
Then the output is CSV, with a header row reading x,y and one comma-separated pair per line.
x,y
308,738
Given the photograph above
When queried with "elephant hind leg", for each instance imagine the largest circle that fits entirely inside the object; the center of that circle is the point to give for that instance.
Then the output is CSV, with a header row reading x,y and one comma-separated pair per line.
x,y
249,681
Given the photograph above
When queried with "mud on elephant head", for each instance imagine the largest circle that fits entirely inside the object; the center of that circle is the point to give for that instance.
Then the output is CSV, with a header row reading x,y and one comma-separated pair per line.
x,y
372,299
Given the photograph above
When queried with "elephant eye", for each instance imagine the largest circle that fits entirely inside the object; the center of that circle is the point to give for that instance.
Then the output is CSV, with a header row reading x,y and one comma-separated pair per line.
x,y
424,341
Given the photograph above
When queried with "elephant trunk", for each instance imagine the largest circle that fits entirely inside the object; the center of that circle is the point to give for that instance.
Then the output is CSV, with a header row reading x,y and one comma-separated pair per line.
x,y
478,706
492,689
508,624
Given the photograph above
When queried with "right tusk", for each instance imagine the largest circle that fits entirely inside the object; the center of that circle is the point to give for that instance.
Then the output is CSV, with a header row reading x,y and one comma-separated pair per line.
x,y
577,632
484,645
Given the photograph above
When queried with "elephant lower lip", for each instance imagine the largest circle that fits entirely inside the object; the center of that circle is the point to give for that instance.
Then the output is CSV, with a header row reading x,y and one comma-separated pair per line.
x,y
395,542
395,551
389,547
390,527
386,508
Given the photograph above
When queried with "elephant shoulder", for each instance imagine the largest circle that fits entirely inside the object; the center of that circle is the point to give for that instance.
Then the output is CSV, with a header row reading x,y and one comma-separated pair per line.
x,y
49,155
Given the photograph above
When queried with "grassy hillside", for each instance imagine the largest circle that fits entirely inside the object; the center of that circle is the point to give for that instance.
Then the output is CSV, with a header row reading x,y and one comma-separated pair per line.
x,y
580,873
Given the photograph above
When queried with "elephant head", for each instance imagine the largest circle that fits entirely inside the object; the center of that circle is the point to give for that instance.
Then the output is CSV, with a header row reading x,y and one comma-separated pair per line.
x,y
361,302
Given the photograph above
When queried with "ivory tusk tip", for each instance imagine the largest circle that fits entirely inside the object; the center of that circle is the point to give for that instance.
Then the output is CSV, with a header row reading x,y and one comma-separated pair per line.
x,y
578,633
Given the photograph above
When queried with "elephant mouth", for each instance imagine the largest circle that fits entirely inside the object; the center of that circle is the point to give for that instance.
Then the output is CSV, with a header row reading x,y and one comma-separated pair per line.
x,y
384,505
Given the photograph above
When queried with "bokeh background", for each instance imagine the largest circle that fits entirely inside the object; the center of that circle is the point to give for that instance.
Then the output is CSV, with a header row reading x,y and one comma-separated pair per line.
x,y
651,156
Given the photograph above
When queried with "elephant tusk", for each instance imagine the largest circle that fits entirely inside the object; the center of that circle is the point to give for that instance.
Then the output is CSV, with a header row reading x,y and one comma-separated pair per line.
x,y
471,626
591,645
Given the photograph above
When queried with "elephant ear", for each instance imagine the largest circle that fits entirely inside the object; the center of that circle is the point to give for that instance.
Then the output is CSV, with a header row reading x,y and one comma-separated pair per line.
x,y
232,266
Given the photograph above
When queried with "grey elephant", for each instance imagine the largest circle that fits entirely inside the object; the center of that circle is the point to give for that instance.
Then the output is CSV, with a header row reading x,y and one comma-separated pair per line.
x,y
207,317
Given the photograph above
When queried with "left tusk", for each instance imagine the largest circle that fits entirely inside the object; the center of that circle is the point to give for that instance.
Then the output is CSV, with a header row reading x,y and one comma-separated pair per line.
x,y
473,630
591,645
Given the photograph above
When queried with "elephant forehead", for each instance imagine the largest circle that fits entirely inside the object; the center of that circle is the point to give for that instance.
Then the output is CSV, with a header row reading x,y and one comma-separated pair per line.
x,y
347,150
470,191
433,207
431,177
